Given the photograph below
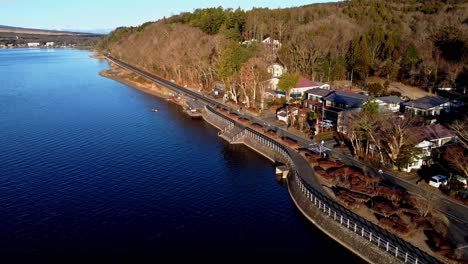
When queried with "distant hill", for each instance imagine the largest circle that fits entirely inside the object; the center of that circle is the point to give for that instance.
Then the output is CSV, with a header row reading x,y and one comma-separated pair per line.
x,y
19,37
39,31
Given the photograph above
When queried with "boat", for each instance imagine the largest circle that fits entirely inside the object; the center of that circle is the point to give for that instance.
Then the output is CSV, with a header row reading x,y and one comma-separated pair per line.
x,y
154,110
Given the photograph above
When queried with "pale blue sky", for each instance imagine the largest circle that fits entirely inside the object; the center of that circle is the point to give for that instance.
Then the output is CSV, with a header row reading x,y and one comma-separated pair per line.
x,y
108,14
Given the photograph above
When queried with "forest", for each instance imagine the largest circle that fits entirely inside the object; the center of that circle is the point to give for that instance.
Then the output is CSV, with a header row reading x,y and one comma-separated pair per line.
x,y
417,42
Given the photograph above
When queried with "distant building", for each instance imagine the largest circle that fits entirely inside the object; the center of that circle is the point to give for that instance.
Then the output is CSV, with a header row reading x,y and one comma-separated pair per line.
x,y
427,106
273,43
33,44
50,44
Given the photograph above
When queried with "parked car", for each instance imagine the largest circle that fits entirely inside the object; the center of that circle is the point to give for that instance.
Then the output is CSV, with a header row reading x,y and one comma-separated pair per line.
x,y
438,180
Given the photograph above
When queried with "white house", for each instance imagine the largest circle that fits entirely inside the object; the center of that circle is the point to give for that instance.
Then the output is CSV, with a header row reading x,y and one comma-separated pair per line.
x,y
389,103
283,113
273,43
33,44
428,138
276,70
304,84
428,106
50,44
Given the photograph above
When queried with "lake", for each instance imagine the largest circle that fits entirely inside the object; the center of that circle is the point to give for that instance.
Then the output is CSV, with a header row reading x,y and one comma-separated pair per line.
x,y
88,170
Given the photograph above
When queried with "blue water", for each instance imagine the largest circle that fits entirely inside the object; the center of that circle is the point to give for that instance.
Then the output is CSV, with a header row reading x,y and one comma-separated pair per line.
x,y
87,170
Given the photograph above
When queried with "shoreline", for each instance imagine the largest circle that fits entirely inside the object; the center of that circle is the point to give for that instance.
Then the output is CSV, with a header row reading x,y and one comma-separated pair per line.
x,y
137,82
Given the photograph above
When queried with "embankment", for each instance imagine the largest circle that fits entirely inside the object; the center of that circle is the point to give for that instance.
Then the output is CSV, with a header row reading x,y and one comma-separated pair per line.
x,y
138,82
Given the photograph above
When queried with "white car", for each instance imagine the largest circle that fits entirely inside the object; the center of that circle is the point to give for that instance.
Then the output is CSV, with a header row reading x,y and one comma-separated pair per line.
x,y
438,180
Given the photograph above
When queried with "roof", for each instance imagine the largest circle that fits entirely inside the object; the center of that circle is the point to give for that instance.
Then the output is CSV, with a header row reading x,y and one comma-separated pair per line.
x,y
352,99
303,82
439,177
426,102
303,111
319,92
390,99
432,132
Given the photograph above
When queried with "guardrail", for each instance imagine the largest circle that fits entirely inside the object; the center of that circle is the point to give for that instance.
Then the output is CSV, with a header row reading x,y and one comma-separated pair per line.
x,y
351,221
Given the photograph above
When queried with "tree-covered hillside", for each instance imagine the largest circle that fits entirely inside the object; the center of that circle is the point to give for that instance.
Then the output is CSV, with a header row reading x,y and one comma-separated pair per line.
x,y
419,42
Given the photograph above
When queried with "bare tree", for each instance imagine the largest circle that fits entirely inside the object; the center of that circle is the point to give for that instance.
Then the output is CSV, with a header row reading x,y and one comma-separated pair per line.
x,y
457,158
425,198
396,135
252,74
461,129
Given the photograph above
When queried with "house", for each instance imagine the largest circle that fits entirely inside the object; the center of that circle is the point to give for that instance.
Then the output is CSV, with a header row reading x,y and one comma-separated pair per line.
x,y
33,44
427,106
345,100
428,138
276,70
50,44
314,98
283,113
340,104
304,84
273,43
316,94
389,103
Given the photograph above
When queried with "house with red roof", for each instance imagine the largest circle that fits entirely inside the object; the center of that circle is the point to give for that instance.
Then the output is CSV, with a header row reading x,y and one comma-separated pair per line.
x,y
304,84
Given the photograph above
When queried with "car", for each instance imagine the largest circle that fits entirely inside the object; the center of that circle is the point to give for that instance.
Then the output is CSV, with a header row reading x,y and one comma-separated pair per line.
x,y
438,180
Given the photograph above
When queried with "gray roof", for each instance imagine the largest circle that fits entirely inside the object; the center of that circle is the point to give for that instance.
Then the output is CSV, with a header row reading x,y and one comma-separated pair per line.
x,y
390,99
319,91
351,99
426,102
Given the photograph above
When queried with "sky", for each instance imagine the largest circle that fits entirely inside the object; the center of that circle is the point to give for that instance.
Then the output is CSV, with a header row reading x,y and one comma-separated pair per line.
x,y
99,15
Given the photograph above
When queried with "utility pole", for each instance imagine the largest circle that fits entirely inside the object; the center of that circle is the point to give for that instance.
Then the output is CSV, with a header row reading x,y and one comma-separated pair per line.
x,y
323,113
